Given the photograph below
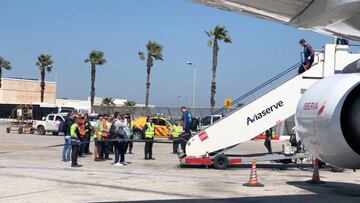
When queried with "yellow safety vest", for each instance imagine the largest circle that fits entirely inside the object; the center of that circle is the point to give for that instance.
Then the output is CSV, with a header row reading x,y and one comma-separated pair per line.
x,y
150,130
72,130
98,132
177,131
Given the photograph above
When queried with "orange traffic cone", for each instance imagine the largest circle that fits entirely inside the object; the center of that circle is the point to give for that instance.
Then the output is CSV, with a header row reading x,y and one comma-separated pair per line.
x,y
316,175
253,182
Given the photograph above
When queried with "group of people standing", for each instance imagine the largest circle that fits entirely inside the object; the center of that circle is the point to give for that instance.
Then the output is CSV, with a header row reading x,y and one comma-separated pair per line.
x,y
112,135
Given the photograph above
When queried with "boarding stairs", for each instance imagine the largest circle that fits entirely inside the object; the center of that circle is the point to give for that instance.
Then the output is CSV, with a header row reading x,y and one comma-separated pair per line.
x,y
264,106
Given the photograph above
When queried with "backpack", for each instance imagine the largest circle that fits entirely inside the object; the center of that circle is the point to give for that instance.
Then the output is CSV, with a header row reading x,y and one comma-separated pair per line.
x,y
194,124
62,127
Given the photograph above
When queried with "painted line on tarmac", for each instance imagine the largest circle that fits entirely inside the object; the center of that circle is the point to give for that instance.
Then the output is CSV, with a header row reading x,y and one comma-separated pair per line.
x,y
127,189
28,193
139,174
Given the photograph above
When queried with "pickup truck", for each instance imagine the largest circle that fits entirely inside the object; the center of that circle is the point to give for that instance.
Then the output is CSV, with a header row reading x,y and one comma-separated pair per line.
x,y
50,123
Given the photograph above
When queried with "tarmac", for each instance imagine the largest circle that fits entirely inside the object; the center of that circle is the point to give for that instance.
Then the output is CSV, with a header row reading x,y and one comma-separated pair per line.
x,y
31,170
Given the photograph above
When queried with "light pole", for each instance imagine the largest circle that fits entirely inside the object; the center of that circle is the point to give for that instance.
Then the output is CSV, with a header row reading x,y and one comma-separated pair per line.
x,y
194,85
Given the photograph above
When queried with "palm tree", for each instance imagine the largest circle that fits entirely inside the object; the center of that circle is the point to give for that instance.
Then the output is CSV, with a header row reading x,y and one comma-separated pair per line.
x,y
107,102
218,34
4,64
95,58
45,63
154,52
129,103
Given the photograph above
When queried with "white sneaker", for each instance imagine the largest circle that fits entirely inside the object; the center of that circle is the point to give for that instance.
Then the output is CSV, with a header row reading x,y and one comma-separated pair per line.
x,y
118,164
124,163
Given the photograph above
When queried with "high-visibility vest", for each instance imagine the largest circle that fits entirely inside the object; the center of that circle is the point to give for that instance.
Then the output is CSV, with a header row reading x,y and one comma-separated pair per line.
x,y
150,130
72,130
106,128
98,132
177,130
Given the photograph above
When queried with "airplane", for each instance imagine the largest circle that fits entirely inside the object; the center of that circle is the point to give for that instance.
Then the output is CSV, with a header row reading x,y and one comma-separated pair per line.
x,y
328,113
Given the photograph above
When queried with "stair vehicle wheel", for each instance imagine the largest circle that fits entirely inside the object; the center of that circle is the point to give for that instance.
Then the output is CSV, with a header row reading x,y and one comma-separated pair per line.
x,y
221,161
41,130
8,130
20,130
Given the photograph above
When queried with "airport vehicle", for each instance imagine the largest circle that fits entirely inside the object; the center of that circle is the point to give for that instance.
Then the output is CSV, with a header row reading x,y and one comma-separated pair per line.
x,y
50,123
21,119
327,115
161,124
208,120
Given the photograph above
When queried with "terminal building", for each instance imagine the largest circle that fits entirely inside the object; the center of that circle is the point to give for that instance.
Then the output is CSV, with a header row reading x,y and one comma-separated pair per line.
x,y
26,91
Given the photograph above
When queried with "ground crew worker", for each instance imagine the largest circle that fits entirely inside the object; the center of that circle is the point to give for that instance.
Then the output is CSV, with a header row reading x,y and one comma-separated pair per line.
x,y
98,138
308,55
82,137
89,129
176,131
149,131
267,141
105,134
75,142
66,153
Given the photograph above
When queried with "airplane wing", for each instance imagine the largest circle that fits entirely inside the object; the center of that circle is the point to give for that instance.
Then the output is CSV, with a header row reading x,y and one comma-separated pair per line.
x,y
331,17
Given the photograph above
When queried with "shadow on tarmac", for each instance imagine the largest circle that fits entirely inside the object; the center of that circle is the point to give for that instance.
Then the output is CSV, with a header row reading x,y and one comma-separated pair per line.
x,y
328,192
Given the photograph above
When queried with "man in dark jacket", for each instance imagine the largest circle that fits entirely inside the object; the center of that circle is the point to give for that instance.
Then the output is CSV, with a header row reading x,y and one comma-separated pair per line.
x,y
268,138
308,55
67,145
186,119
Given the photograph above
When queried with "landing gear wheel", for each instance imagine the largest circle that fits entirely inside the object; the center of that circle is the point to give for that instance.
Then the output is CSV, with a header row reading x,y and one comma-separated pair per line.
x,y
221,161
8,130
20,130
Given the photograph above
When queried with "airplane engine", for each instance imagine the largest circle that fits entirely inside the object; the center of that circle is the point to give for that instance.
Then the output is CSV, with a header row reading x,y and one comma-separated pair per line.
x,y
328,120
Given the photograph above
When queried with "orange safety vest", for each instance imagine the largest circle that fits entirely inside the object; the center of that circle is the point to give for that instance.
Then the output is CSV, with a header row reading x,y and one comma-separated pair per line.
x,y
106,128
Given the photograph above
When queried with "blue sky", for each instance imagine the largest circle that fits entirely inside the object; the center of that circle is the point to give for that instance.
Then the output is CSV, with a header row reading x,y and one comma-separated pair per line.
x,y
68,30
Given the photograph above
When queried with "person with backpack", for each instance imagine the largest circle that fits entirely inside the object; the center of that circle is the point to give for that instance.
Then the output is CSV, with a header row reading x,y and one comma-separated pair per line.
x,y
308,55
186,119
65,128
149,131
117,130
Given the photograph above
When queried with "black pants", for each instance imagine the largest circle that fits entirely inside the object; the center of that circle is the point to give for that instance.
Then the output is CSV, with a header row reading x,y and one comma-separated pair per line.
x,y
74,153
302,68
131,145
267,144
120,150
105,148
176,142
148,147
184,138
87,144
